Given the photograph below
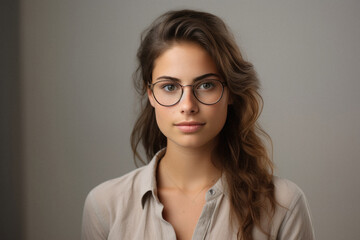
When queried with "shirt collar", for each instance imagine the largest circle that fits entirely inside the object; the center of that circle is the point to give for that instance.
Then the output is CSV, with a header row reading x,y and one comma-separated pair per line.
x,y
148,181
219,188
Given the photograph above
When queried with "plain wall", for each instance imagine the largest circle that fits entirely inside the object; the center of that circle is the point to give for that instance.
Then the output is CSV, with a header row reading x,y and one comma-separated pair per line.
x,y
79,105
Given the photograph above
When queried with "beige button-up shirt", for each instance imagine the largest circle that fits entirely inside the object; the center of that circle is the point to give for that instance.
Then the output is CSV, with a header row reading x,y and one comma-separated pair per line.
x,y
128,208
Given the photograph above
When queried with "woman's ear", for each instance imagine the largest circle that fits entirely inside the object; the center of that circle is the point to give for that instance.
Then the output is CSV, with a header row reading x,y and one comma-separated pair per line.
x,y
150,97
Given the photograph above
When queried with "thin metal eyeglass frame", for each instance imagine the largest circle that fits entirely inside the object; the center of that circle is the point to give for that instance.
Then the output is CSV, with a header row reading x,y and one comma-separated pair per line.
x,y
151,86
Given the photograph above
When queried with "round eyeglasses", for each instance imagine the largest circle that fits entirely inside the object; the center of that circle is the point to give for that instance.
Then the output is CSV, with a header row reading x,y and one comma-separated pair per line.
x,y
169,92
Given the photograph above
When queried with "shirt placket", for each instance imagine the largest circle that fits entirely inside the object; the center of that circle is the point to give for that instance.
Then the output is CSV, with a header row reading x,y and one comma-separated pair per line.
x,y
206,215
164,229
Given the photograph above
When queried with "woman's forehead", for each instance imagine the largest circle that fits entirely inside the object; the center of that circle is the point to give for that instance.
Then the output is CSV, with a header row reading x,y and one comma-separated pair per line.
x,y
184,61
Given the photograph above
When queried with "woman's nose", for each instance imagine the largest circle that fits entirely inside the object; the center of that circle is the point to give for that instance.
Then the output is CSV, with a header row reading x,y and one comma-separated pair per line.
x,y
188,103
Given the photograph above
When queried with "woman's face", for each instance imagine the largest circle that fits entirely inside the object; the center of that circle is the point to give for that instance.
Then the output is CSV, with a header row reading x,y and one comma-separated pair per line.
x,y
188,123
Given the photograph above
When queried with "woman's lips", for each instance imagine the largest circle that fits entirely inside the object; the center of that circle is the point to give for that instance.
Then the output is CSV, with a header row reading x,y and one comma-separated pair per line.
x,y
189,127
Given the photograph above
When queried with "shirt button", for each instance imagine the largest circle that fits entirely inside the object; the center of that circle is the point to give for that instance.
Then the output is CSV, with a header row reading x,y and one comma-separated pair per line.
x,y
211,191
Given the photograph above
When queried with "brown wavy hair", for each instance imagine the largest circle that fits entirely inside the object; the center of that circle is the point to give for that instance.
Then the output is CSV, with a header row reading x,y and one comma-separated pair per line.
x,y
245,159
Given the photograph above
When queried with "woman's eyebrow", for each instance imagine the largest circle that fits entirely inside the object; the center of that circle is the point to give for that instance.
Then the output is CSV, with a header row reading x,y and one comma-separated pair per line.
x,y
206,76
195,79
168,78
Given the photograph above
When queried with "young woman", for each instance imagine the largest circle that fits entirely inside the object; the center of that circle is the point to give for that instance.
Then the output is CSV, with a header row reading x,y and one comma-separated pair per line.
x,y
210,176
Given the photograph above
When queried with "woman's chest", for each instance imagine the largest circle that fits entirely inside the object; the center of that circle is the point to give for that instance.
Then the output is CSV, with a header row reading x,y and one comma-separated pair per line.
x,y
211,221
182,212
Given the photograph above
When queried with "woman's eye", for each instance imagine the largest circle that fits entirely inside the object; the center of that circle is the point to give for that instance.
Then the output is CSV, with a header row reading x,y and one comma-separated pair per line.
x,y
169,87
206,85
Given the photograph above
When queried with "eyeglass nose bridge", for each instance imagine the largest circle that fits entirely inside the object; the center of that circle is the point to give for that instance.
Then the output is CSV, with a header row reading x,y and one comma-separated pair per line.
x,y
192,90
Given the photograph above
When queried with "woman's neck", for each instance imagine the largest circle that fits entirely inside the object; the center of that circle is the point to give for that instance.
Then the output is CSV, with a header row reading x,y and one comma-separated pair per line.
x,y
187,168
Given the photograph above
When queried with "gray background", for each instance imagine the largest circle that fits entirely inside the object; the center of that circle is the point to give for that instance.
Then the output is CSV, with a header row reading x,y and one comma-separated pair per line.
x,y
69,104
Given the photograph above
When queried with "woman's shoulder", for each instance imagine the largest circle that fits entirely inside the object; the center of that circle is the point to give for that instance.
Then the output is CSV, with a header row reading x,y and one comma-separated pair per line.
x,y
119,191
113,190
112,200
287,192
292,218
